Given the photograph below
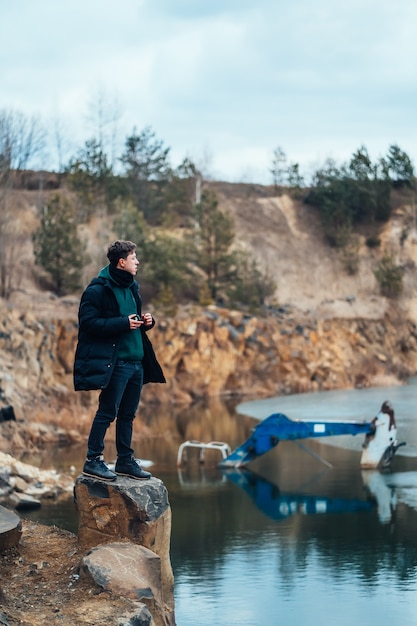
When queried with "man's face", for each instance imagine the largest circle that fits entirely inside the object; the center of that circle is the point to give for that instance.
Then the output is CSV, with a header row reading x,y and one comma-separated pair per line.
x,y
129,264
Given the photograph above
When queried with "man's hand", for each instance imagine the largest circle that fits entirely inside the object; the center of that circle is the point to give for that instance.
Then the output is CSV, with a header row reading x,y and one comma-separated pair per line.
x,y
135,321
147,319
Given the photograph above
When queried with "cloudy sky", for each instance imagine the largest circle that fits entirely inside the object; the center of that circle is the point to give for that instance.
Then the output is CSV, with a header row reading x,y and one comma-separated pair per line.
x,y
224,82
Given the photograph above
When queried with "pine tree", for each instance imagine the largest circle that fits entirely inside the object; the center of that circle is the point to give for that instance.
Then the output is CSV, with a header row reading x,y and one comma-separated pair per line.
x,y
212,244
58,248
148,170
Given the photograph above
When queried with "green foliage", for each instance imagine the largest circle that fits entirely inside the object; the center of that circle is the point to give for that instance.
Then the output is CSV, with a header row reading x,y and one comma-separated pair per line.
x,y
221,272
368,189
399,167
295,180
146,161
202,267
211,242
164,263
251,287
358,192
57,247
328,194
358,187
129,224
91,177
180,194
150,199
390,277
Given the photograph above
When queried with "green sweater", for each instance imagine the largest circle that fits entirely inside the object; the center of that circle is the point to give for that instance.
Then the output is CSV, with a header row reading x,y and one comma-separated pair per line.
x,y
131,344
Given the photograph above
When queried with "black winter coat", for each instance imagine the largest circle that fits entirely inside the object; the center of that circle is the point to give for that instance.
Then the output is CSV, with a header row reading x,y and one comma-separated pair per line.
x,y
100,329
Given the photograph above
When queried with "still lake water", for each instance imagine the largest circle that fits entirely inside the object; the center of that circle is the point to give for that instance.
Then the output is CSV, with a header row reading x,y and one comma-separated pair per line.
x,y
292,541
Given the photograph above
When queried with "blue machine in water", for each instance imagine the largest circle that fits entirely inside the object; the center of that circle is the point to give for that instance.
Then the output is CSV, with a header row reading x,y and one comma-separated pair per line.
x,y
379,446
268,433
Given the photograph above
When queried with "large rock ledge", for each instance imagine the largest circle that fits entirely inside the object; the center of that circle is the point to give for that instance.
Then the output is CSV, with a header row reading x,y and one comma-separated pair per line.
x,y
121,553
136,511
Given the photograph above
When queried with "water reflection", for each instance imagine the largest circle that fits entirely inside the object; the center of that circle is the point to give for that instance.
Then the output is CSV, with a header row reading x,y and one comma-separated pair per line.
x,y
158,432
384,496
377,491
267,544
277,505
244,547
199,478
292,540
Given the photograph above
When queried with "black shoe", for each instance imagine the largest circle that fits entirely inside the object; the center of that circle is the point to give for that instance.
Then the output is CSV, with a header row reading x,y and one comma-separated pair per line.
x,y
131,468
98,469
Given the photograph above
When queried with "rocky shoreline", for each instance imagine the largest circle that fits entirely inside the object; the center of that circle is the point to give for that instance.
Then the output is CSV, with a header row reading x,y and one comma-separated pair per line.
x,y
23,486
48,573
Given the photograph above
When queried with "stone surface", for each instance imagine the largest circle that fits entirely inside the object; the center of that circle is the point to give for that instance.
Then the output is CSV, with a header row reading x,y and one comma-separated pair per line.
x,y
141,617
24,486
131,571
131,510
10,529
21,501
214,352
125,568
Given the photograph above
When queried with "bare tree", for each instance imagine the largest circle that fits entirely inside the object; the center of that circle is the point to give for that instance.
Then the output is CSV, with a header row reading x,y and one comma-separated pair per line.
x,y
62,144
21,139
103,118
279,167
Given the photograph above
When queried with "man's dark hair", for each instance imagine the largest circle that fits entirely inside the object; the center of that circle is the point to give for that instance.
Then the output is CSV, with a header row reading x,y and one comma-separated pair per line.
x,y
119,250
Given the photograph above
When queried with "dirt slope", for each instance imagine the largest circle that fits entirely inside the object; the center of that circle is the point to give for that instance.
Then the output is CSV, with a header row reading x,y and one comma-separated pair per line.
x,y
285,237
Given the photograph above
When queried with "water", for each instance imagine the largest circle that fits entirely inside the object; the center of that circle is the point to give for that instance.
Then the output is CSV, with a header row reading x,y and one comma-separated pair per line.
x,y
292,541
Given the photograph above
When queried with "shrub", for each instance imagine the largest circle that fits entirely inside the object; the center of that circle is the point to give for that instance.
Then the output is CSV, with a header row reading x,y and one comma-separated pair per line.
x,y
390,277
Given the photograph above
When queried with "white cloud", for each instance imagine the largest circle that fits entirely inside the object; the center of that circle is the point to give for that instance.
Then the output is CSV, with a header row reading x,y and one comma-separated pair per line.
x,y
238,76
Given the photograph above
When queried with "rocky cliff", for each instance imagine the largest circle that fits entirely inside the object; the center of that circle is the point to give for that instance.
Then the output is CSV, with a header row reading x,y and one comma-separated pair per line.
x,y
209,352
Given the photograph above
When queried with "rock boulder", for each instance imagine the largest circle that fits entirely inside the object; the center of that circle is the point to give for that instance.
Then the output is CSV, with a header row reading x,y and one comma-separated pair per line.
x,y
10,529
122,513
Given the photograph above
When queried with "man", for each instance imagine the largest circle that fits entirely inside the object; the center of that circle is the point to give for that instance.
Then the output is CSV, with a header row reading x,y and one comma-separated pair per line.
x,y
115,355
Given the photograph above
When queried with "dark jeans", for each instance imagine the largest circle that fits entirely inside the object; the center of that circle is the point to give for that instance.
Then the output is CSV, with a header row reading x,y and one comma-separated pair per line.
x,y
120,399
